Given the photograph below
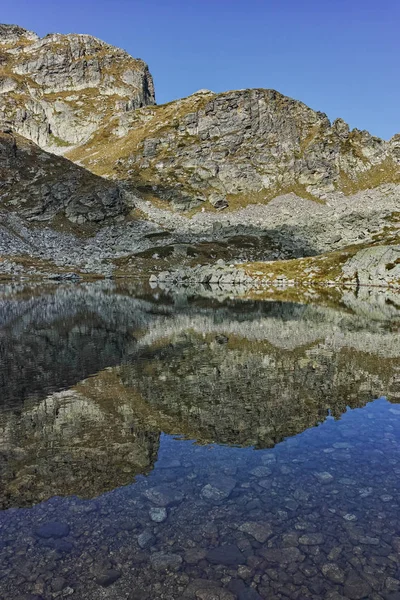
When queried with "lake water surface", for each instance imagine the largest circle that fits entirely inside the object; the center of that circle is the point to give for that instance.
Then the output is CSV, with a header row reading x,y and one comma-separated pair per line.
x,y
168,447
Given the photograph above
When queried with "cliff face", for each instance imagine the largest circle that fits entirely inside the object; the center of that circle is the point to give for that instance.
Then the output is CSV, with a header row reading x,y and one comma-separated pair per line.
x,y
242,146
57,91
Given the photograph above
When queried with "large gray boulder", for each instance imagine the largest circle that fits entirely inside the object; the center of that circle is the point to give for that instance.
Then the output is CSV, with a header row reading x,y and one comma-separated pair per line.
x,y
376,265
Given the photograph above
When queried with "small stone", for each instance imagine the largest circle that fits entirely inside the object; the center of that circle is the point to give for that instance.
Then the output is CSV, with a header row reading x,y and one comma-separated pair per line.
x,y
228,555
333,572
350,517
264,483
386,497
392,584
194,555
146,539
108,577
203,589
219,488
258,530
368,540
58,584
53,529
261,471
342,445
164,495
268,459
335,553
158,515
365,492
323,476
356,588
162,561
311,539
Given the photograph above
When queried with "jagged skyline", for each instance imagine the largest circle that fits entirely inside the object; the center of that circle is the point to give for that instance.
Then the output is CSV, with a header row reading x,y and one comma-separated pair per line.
x,y
341,60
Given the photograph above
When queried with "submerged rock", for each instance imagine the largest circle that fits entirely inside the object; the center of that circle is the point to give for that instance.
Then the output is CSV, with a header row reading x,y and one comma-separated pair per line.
x,y
53,529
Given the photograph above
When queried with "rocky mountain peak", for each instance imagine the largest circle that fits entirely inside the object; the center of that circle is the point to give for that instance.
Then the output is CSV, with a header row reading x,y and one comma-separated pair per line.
x,y
10,34
58,90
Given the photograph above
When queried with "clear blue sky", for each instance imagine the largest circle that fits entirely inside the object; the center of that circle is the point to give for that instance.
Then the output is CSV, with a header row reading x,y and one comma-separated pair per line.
x,y
337,56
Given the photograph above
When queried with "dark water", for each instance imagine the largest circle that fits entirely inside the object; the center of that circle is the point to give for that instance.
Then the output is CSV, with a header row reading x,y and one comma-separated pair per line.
x,y
182,447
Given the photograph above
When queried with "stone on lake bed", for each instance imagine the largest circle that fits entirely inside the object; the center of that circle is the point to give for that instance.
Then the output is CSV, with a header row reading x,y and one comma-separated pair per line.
x,y
204,589
311,539
333,572
162,561
349,517
268,459
323,476
386,497
258,530
218,488
146,539
53,529
356,588
261,471
108,577
342,445
194,555
158,514
228,555
164,495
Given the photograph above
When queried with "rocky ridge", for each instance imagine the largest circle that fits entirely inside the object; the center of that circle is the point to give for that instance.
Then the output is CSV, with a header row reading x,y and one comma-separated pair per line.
x,y
239,147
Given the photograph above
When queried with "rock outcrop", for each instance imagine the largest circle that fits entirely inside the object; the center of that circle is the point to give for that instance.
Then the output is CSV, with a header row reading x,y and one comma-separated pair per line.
x,y
58,90
237,148
376,265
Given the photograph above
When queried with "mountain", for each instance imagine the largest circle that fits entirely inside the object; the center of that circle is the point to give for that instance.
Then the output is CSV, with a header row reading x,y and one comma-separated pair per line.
x,y
241,147
149,182
58,90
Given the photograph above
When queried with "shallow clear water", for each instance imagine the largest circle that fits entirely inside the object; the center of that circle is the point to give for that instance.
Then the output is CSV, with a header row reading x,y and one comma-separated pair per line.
x,y
178,447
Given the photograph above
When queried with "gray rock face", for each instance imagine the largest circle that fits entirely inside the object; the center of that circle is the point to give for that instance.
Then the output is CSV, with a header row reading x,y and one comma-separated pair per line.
x,y
57,90
377,265
249,144
10,34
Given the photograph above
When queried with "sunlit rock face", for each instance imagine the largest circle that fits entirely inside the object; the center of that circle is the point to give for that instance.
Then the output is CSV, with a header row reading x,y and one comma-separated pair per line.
x,y
58,90
240,147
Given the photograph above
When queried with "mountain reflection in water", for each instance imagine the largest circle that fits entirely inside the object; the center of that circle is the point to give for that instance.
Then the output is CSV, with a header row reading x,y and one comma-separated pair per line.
x,y
240,415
